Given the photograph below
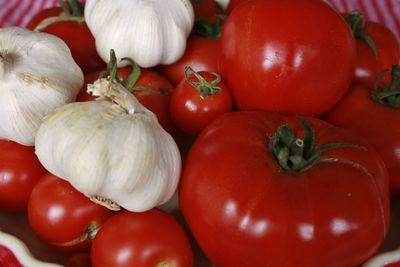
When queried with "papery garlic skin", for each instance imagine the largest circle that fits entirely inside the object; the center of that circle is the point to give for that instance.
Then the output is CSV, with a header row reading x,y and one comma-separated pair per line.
x,y
113,150
150,32
223,3
37,74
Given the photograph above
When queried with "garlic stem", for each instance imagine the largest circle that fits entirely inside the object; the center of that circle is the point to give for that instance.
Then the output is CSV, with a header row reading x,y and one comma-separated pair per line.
x,y
3,62
51,20
117,93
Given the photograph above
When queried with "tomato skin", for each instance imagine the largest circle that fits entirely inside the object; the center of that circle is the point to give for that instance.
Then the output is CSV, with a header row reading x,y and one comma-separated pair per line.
x,y
233,4
367,66
376,123
20,170
76,35
288,56
201,54
59,214
157,101
190,112
145,239
208,10
7,258
239,204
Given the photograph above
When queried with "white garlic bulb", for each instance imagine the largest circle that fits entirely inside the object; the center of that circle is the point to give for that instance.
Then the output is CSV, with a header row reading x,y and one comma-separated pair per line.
x,y
113,150
37,74
223,3
150,32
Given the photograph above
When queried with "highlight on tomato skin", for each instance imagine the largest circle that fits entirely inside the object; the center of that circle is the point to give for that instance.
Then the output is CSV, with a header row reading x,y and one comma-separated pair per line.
x,y
63,217
151,238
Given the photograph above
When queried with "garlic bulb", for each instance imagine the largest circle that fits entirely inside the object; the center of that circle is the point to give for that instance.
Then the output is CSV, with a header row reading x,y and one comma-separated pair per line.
x,y
113,150
150,32
223,3
37,74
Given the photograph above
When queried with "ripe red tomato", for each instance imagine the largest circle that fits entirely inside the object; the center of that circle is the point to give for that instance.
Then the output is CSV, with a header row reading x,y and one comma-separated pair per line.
x,y
207,10
368,65
20,170
151,238
7,258
198,99
287,56
246,209
62,216
201,54
75,34
233,4
378,123
156,99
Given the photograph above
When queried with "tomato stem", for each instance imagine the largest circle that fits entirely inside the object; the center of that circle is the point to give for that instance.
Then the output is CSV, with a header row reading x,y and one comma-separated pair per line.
x,y
204,87
72,8
388,95
356,21
294,154
206,29
129,83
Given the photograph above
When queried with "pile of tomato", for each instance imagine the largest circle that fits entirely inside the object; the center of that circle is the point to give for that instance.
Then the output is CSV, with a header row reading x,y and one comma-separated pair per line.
x,y
287,116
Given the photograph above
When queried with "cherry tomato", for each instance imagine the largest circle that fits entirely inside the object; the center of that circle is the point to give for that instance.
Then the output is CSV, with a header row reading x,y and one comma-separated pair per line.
x,y
20,170
287,56
201,54
377,48
75,34
263,189
63,217
233,4
151,238
377,121
198,99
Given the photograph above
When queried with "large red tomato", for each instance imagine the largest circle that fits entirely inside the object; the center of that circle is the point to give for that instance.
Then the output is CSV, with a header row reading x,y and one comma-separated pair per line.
x,y
62,216
377,48
288,56
75,33
151,238
258,189
377,121
20,170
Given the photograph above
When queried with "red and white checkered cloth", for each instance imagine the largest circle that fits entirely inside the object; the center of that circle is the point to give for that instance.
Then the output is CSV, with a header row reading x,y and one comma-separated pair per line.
x,y
18,12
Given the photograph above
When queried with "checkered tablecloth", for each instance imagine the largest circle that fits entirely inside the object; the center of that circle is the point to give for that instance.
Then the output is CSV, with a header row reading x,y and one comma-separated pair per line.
x,y
18,12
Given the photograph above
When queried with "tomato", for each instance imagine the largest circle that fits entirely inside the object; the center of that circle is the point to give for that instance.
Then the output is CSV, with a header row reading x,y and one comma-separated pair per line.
x,y
79,260
233,4
20,170
7,258
288,56
207,10
151,238
247,208
198,99
75,34
386,46
156,97
376,122
62,216
201,54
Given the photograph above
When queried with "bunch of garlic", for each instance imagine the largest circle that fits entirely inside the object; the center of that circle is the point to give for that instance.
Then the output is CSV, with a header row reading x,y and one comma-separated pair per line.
x,y
113,149
37,74
150,32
